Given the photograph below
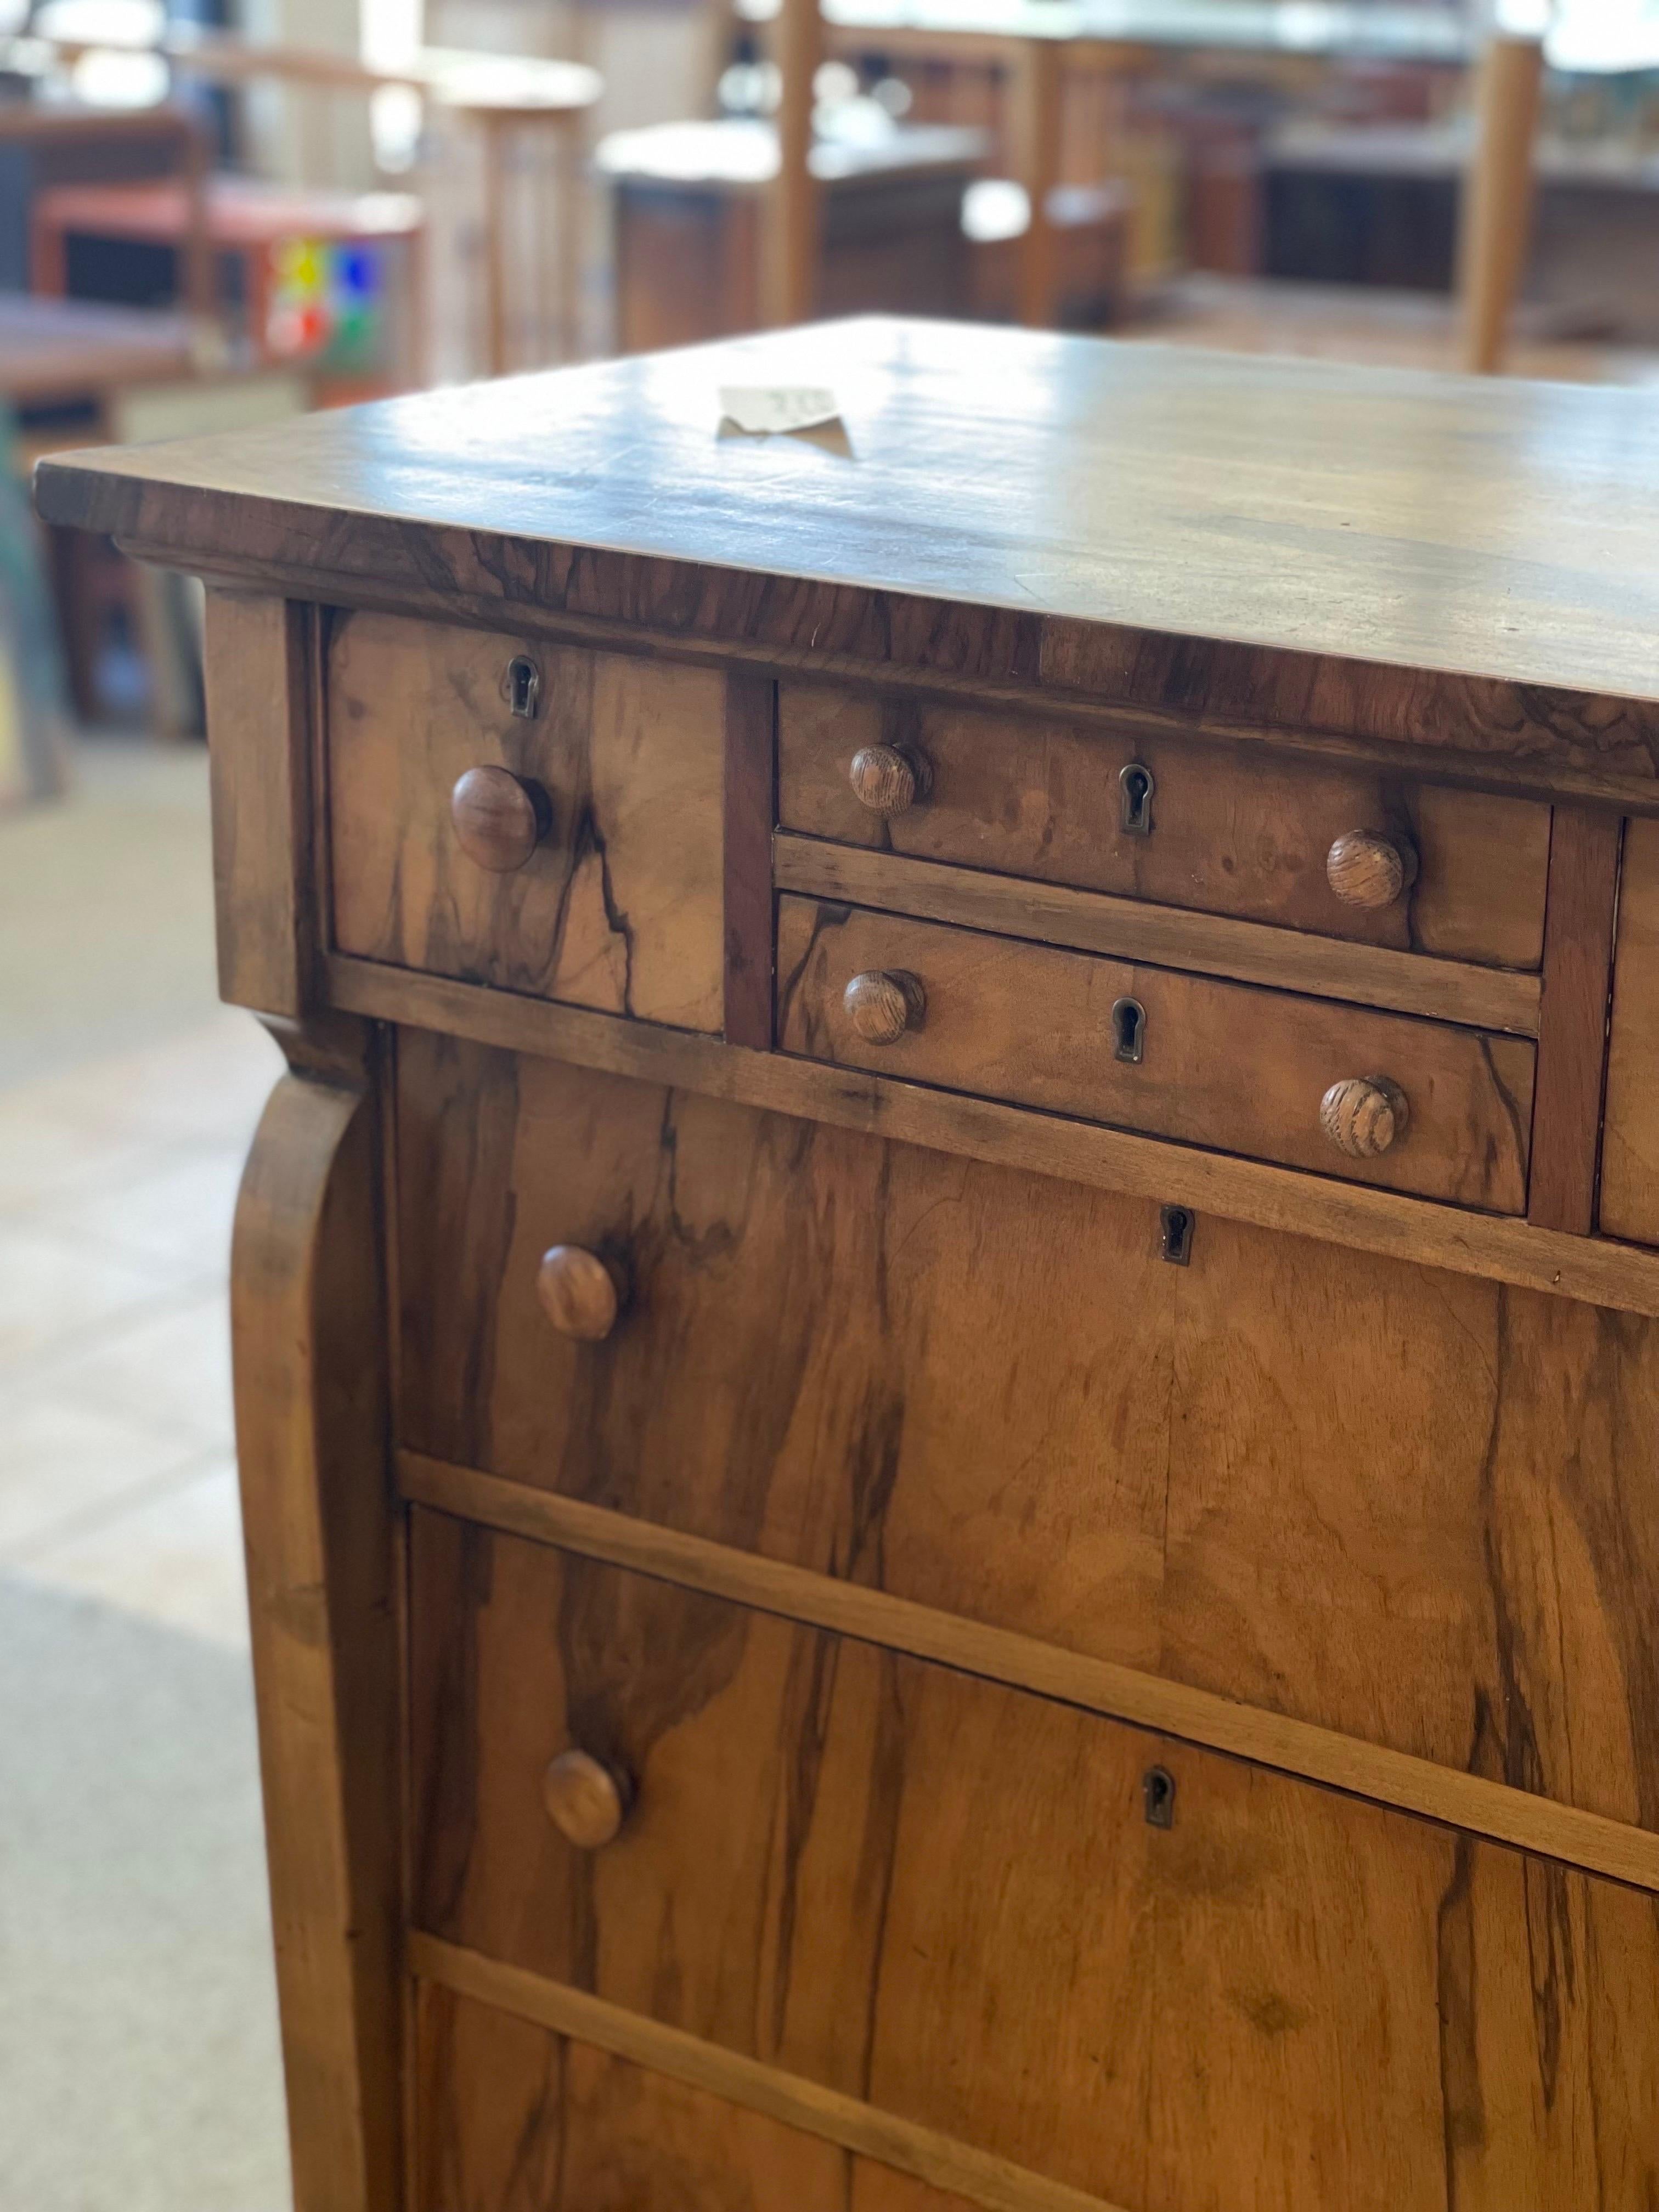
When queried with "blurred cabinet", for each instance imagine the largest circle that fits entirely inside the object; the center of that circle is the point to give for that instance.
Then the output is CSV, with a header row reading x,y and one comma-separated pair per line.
x,y
688,201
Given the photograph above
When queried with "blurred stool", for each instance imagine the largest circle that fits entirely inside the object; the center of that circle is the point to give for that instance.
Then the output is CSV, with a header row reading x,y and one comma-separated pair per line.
x,y
1091,231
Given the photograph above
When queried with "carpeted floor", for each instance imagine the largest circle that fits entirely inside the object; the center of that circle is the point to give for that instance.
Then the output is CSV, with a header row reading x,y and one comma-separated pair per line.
x,y
138,2060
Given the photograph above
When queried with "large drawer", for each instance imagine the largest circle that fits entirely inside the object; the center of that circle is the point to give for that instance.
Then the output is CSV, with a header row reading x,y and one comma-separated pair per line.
x,y
1223,1065
1167,1977
543,819
1221,828
1407,1505
513,2118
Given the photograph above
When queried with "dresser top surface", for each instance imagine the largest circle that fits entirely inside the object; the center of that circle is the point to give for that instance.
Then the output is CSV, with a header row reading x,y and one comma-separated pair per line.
x,y
1494,529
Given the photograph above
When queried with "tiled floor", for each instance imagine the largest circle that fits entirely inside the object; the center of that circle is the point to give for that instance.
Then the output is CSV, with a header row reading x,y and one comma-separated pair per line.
x,y
118,1164
138,2068
117,1474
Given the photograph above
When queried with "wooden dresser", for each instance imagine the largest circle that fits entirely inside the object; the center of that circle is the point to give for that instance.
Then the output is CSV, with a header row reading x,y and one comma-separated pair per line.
x,y
948,1345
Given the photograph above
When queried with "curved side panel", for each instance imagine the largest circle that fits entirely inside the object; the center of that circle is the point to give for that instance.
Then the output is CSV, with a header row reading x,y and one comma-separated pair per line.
x,y
308,1338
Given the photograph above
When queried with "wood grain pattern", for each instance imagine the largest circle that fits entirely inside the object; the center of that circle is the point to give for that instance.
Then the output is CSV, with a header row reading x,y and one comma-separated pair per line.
x,y
1408,1506
1630,1162
308,1331
750,812
619,906
519,2118
1572,1020
254,666
1232,833
902,1691
1496,1810
1443,569
1621,1278
1136,929
824,1873
1223,1065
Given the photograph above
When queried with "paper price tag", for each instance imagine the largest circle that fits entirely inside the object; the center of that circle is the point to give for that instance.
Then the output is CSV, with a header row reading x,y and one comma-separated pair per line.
x,y
764,409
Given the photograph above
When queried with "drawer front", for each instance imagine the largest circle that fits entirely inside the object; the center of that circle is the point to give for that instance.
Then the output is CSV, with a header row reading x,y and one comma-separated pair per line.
x,y
1360,1492
583,861
513,2118
945,1897
1223,1065
1226,831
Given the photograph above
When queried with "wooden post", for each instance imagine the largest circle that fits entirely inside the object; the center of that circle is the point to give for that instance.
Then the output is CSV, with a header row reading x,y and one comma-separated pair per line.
x,y
790,237
567,245
492,135
1034,129
1497,196
198,273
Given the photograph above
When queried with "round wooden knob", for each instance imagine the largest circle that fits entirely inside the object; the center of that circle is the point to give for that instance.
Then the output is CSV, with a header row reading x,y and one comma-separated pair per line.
x,y
586,1801
581,1296
886,781
499,817
1364,1114
883,1003
1369,869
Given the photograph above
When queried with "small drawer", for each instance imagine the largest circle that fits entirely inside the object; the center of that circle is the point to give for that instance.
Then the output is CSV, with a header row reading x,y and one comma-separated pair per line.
x,y
1126,1965
1217,829
1417,1106
543,819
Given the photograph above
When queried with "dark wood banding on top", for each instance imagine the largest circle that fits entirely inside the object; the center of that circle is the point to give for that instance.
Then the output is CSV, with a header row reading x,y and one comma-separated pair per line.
x,y
1354,603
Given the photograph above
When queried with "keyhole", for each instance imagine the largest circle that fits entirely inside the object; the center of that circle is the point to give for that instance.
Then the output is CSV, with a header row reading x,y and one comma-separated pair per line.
x,y
1157,1791
1137,783
1176,1223
1128,1029
524,684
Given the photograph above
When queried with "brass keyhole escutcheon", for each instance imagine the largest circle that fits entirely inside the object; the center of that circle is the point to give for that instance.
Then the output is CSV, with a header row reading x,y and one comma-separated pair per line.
x,y
1176,1227
1138,786
522,685
1157,1791
1128,1030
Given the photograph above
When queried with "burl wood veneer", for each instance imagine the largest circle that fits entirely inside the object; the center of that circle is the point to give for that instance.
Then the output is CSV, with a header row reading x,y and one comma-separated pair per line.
x,y
948,1343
